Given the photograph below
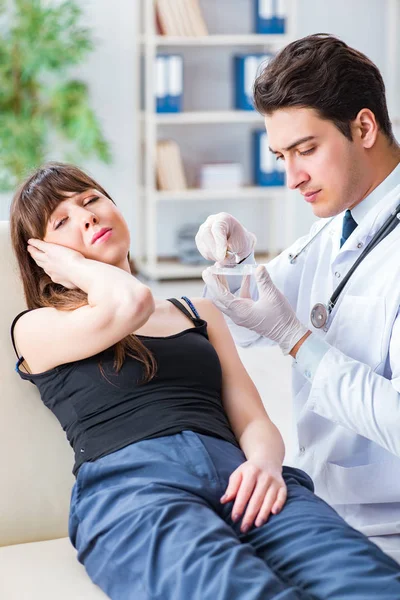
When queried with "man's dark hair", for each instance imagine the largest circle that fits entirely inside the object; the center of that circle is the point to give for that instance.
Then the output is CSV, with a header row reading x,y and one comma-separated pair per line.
x,y
322,72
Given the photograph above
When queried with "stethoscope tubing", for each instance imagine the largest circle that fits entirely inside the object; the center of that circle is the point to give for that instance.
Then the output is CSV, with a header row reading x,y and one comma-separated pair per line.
x,y
292,257
320,312
380,235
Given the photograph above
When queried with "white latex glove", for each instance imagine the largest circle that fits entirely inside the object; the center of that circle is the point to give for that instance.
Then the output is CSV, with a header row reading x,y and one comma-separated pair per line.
x,y
270,316
223,233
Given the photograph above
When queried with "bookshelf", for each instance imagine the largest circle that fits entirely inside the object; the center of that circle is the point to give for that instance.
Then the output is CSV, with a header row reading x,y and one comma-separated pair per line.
x,y
392,78
255,39
152,126
197,195
206,116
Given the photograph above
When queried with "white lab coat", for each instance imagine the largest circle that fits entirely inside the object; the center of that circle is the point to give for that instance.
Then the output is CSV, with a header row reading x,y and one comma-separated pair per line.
x,y
348,418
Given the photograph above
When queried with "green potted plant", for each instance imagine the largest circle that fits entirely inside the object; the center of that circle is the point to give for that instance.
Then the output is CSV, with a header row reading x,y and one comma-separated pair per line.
x,y
39,105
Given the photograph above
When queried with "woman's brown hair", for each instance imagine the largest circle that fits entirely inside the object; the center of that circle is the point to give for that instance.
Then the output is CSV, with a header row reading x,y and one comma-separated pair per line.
x,y
33,203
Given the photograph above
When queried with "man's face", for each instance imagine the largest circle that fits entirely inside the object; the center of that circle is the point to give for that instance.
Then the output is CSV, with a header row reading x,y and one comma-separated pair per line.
x,y
326,167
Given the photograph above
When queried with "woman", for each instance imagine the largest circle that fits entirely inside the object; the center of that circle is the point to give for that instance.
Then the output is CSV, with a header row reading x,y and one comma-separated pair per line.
x,y
180,491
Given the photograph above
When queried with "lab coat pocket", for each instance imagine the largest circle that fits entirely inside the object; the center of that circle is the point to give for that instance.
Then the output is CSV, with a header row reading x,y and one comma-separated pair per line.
x,y
373,483
358,328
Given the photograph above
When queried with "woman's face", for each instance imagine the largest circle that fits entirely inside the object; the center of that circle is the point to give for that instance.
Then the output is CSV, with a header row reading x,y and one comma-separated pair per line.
x,y
77,221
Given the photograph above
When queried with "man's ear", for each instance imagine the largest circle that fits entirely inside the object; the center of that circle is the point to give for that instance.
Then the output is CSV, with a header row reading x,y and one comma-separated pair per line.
x,y
365,128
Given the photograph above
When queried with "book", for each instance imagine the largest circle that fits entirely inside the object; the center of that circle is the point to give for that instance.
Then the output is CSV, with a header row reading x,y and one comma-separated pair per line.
x,y
170,173
165,17
184,16
180,18
196,16
178,12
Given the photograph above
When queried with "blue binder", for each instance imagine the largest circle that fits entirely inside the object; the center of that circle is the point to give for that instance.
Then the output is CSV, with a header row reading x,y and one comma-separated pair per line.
x,y
270,16
246,69
169,83
267,170
175,83
161,83
280,16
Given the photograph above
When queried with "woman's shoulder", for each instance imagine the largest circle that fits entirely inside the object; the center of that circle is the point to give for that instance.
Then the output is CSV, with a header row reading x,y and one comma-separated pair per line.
x,y
217,327
35,317
48,337
204,303
21,329
207,310
29,316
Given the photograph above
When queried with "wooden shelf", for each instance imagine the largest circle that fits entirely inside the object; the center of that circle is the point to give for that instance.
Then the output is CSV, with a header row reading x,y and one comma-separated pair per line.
x,y
169,269
198,195
202,117
254,39
173,269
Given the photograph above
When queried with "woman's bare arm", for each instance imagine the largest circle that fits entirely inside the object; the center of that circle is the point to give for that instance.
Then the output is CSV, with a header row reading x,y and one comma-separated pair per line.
x,y
254,430
118,304
256,487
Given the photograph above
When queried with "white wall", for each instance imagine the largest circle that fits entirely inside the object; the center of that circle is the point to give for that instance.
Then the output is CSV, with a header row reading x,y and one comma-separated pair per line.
x,y
110,72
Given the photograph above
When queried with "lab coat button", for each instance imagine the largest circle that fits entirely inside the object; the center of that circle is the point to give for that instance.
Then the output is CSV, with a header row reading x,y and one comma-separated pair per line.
x,y
302,449
360,245
337,274
307,374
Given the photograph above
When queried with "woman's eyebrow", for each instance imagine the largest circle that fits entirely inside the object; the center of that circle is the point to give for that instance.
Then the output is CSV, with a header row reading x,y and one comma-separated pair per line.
x,y
53,215
76,197
80,195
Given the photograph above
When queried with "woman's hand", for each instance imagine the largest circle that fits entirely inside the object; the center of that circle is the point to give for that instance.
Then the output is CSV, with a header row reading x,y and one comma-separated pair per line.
x,y
261,487
56,260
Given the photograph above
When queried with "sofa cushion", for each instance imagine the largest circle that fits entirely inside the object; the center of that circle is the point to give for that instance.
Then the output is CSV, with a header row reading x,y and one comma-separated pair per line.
x,y
36,460
45,571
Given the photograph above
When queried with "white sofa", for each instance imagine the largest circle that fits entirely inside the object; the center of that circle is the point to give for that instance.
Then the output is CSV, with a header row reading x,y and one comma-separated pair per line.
x,y
37,560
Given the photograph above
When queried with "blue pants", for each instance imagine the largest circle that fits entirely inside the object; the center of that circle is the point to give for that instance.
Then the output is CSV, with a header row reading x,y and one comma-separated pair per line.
x,y
148,524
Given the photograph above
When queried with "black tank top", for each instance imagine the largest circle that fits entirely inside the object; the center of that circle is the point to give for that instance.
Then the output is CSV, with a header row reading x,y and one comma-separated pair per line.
x,y
103,413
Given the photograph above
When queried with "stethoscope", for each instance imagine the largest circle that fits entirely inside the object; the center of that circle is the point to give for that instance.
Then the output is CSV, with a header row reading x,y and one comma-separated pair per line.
x,y
320,312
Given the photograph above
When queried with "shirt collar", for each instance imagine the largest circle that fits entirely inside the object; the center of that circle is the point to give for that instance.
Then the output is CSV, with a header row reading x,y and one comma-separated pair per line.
x,y
391,181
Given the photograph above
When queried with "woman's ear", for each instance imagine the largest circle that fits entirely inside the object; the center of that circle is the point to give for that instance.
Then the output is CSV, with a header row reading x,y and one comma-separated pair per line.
x,y
132,265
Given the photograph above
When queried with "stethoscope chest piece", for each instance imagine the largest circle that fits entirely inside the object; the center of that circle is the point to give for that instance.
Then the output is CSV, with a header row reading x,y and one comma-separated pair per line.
x,y
319,315
320,312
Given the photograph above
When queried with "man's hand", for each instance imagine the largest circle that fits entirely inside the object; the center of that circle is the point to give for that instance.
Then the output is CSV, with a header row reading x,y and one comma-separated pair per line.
x,y
222,234
270,316
259,486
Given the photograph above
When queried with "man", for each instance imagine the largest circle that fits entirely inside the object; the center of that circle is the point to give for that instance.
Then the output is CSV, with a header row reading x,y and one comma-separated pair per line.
x,y
326,118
